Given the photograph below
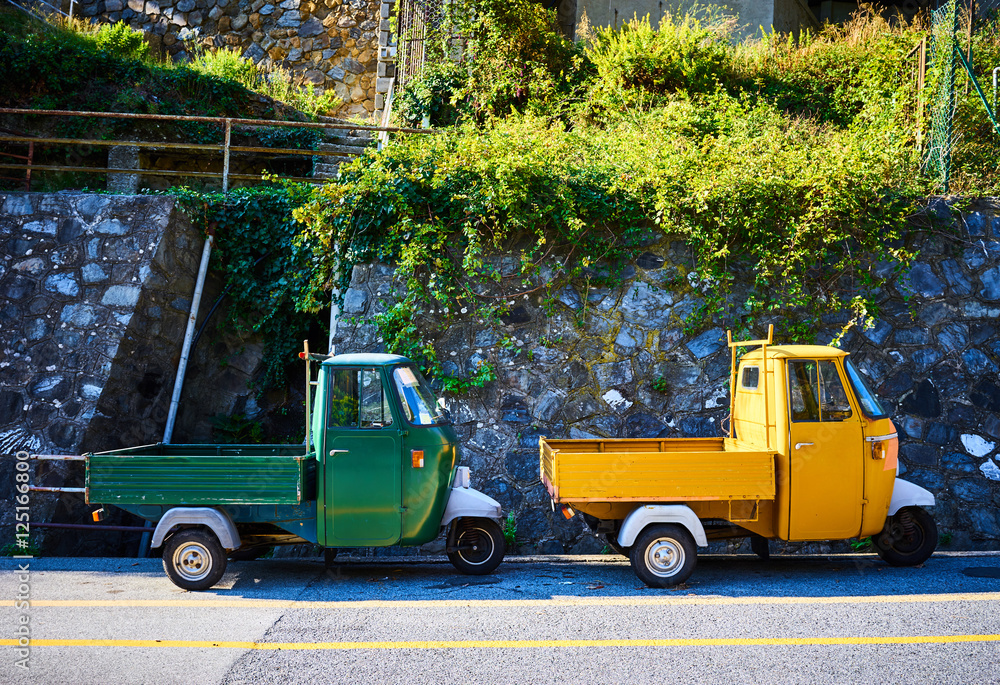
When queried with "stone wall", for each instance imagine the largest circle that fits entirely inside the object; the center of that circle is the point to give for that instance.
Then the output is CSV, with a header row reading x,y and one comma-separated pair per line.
x,y
933,354
94,292
326,43
94,299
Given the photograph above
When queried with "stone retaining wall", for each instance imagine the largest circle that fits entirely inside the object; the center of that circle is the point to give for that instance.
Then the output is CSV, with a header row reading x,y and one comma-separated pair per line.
x,y
94,292
933,354
324,43
94,299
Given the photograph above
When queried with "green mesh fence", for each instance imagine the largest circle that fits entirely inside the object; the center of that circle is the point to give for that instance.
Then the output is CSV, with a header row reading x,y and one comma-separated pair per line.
x,y
941,92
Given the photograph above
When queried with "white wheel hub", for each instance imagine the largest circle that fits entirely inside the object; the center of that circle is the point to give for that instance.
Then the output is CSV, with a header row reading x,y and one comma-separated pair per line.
x,y
192,561
664,557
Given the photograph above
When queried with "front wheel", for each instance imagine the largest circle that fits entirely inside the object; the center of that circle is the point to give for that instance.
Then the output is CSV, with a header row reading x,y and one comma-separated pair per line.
x,y
479,546
663,555
908,538
193,559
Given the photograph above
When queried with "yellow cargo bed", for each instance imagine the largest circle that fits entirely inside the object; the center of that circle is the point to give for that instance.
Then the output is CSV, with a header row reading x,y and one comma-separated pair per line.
x,y
656,470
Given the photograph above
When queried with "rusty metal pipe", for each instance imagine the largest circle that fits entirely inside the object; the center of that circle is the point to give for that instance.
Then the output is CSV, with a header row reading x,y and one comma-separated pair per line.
x,y
169,146
211,120
87,526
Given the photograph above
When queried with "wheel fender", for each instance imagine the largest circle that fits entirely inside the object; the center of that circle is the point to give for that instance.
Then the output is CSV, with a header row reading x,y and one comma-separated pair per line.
x,y
215,520
661,513
907,494
464,502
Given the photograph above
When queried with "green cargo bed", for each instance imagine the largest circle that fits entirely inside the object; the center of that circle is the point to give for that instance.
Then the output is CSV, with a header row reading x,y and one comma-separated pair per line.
x,y
202,475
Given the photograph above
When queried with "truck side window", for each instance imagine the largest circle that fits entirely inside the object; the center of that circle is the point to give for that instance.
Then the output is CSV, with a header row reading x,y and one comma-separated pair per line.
x,y
835,406
816,391
343,393
751,377
375,412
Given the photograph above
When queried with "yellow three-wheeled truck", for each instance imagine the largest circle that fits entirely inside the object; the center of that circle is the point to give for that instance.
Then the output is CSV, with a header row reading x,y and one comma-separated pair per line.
x,y
811,456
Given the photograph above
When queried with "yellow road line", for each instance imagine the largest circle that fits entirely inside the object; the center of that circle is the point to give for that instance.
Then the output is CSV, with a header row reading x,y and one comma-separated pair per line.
x,y
658,601
521,644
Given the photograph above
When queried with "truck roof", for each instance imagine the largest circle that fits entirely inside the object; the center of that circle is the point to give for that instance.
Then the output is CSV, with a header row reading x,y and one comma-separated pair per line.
x,y
797,352
365,359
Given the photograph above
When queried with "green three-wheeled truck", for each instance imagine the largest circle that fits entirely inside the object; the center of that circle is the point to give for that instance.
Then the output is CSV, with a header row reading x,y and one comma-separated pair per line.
x,y
377,469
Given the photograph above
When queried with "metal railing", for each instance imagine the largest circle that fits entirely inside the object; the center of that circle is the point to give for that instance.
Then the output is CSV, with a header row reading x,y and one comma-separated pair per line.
x,y
225,148
30,9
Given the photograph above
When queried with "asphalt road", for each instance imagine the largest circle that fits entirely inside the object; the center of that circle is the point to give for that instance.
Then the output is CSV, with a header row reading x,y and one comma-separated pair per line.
x,y
537,620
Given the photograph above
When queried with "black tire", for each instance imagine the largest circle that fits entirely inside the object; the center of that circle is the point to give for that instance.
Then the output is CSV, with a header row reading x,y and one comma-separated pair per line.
x,y
480,546
663,555
194,559
908,538
759,546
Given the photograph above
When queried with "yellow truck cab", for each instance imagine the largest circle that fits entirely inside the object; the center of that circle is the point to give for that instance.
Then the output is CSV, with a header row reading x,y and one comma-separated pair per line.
x,y
811,455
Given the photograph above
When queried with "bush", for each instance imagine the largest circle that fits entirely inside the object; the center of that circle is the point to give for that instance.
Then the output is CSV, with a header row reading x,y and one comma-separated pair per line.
x,y
519,61
121,41
639,66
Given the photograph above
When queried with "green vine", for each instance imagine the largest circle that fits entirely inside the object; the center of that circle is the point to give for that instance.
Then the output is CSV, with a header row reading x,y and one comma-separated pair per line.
x,y
268,273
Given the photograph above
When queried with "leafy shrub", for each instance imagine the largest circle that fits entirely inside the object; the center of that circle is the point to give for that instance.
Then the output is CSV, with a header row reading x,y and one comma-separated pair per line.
x,y
268,274
519,61
226,63
638,65
276,83
435,95
122,41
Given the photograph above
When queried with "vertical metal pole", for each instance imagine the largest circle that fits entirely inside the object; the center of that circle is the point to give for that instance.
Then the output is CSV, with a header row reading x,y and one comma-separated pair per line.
x,y
225,157
31,154
995,70
334,300
732,382
949,138
921,82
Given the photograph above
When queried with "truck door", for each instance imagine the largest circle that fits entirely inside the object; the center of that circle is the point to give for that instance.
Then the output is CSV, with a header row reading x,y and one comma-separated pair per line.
x,y
361,462
826,444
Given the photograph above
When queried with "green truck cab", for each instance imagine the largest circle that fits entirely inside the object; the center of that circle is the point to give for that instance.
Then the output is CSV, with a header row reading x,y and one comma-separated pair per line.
x,y
378,469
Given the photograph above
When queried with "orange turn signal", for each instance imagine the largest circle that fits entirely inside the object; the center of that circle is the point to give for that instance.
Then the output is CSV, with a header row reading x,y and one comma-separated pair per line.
x,y
418,458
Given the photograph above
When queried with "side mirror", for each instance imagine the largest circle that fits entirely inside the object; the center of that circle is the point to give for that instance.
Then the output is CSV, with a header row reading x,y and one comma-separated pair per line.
x,y
440,403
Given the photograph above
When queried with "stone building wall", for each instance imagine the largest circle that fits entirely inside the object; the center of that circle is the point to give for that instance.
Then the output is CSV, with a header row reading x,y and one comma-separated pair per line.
x,y
933,355
324,43
95,292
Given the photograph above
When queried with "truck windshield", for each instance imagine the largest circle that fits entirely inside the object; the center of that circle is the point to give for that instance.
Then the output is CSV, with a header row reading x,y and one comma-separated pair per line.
x,y
869,403
419,404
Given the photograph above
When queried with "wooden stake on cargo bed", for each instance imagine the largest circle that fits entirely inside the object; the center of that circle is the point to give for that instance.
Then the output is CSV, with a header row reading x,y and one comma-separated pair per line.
x,y
305,344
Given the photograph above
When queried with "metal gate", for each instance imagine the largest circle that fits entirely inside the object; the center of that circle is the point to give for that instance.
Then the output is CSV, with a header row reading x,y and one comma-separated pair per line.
x,y
427,31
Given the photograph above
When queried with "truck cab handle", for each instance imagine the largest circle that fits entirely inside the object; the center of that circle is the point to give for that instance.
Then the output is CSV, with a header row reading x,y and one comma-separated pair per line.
x,y
800,445
334,453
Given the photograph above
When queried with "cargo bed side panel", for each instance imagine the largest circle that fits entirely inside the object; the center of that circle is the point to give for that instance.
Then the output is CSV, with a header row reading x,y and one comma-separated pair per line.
x,y
662,476
197,480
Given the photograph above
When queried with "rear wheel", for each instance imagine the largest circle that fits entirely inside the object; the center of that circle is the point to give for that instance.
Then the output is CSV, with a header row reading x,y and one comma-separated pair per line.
x,y
479,546
908,538
193,559
663,555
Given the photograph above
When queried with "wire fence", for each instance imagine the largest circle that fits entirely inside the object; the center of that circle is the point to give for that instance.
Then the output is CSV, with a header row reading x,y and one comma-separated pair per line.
x,y
941,99
427,31
951,54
